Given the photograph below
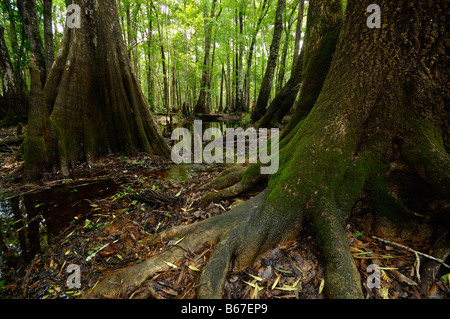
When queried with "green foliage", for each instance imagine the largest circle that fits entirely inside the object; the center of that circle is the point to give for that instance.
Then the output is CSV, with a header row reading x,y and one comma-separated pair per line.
x,y
179,28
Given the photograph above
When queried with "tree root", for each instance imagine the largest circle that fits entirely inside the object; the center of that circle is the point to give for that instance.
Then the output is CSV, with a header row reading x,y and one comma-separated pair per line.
x,y
240,236
431,267
341,275
124,281
227,178
427,155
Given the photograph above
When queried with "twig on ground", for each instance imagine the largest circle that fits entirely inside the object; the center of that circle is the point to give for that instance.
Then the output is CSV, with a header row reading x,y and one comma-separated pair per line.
x,y
412,250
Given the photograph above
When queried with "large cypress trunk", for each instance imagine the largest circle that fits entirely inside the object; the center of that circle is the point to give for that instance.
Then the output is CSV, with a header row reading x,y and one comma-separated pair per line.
x,y
95,103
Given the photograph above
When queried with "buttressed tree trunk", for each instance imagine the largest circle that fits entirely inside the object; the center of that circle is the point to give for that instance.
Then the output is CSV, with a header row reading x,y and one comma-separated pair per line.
x,y
380,117
95,103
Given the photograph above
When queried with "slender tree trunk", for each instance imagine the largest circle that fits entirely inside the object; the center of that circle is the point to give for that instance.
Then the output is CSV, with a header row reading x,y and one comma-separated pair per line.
x,y
264,92
211,75
150,85
202,106
264,9
174,82
282,64
228,105
298,31
16,58
221,89
48,35
318,48
28,11
239,104
14,106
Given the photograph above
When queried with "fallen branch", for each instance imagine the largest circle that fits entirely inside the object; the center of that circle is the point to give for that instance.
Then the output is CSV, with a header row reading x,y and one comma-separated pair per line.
x,y
12,140
412,250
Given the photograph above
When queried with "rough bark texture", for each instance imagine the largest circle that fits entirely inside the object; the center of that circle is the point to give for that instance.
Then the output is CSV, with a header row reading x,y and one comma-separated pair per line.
x,y
285,99
39,145
322,32
95,103
382,105
202,106
266,85
48,35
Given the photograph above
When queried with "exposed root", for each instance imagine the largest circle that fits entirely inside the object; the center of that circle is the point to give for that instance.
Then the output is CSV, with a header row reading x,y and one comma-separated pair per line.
x,y
341,275
431,267
234,183
124,281
427,155
227,178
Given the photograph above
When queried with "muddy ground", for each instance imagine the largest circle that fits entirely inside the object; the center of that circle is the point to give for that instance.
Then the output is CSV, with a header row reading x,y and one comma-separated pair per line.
x,y
111,208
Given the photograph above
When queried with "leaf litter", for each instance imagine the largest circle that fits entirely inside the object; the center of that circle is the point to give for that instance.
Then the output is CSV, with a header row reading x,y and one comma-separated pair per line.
x,y
113,236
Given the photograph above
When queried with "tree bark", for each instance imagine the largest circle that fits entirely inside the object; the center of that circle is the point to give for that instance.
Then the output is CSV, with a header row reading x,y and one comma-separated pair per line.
x,y
95,104
264,92
239,105
14,106
39,147
298,31
246,85
150,86
322,31
282,64
202,106
48,35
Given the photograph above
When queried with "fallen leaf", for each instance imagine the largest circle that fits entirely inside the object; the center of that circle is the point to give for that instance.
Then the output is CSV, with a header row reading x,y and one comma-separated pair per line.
x,y
171,265
193,268
322,284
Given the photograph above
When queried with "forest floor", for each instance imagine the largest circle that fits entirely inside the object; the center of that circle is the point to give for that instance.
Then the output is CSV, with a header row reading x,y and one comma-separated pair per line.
x,y
109,232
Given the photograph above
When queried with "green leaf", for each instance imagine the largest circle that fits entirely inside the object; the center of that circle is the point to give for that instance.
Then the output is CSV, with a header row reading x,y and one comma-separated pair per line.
x,y
193,268
255,277
283,271
171,265
322,284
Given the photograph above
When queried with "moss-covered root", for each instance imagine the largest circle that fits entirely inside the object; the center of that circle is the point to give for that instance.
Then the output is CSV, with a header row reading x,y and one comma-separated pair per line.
x,y
212,230
227,178
342,280
425,152
240,183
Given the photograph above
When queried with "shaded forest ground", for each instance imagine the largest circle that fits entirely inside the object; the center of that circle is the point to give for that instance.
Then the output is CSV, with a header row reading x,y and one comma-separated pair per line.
x,y
152,196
